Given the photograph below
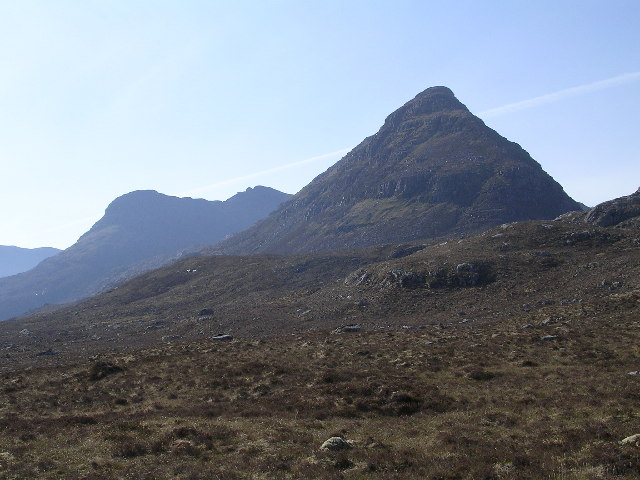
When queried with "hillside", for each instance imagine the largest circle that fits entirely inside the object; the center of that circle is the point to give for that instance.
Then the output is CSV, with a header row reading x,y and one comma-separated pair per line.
x,y
140,231
517,269
15,260
432,169
513,354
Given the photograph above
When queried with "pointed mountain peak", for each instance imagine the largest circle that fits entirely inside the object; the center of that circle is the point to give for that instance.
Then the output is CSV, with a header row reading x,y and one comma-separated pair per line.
x,y
433,169
437,99
432,101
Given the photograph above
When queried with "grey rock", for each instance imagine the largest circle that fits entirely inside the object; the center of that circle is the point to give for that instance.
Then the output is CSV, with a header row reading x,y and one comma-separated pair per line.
x,y
577,237
357,278
46,353
222,336
335,444
408,279
170,338
348,328
467,274
631,440
547,338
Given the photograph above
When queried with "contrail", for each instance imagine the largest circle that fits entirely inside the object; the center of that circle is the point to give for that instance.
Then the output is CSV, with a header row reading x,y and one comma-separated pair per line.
x,y
279,168
561,95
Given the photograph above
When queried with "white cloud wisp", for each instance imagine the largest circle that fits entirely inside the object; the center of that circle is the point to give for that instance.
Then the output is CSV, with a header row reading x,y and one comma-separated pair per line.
x,y
231,181
561,95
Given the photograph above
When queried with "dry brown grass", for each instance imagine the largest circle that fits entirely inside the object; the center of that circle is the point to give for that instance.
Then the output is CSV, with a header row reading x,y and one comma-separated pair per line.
x,y
466,393
467,402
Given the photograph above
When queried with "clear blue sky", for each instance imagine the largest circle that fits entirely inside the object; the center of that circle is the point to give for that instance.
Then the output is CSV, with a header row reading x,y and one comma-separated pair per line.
x,y
206,98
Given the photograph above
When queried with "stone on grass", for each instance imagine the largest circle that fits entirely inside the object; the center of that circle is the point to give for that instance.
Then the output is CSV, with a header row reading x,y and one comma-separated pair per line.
x,y
336,443
348,328
632,440
222,336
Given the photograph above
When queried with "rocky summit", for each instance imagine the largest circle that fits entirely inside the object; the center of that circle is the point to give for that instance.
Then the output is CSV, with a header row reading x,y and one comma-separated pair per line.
x,y
433,169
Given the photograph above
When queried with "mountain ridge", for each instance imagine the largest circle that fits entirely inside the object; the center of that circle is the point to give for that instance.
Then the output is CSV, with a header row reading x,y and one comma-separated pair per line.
x,y
140,230
14,260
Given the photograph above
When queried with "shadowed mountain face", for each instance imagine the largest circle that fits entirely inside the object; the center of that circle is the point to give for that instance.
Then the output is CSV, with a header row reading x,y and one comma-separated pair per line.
x,y
15,260
139,231
433,169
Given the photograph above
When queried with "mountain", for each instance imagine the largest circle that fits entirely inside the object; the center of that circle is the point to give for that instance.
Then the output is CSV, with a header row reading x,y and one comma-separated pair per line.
x,y
15,260
433,169
139,231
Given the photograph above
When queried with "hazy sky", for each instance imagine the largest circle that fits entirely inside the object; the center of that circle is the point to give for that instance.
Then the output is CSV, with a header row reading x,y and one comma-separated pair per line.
x,y
206,98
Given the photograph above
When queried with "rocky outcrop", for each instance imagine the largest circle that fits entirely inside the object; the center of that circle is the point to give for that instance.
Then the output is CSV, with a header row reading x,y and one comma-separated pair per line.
x,y
463,275
615,212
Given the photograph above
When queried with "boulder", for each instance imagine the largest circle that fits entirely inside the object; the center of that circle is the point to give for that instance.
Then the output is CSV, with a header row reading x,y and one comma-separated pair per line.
x,y
222,336
632,440
348,328
335,444
467,274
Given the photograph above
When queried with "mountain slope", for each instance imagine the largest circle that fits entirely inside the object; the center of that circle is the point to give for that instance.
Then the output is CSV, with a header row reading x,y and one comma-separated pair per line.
x,y
433,169
15,260
139,231
531,270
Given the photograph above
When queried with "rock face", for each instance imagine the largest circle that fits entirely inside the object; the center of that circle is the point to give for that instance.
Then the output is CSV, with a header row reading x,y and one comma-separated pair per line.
x,y
433,169
615,211
140,231
14,260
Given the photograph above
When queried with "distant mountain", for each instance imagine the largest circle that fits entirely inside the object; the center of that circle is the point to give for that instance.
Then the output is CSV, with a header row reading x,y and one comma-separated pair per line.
x,y
433,169
139,231
15,260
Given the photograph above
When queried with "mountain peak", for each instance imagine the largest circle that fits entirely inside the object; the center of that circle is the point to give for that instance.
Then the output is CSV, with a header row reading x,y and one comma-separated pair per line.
x,y
433,169
432,101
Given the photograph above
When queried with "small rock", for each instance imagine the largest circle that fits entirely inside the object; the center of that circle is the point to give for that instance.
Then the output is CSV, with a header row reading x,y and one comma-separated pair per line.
x,y
335,443
547,338
348,328
632,440
528,325
46,352
24,331
170,338
467,274
205,312
637,372
578,237
222,336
